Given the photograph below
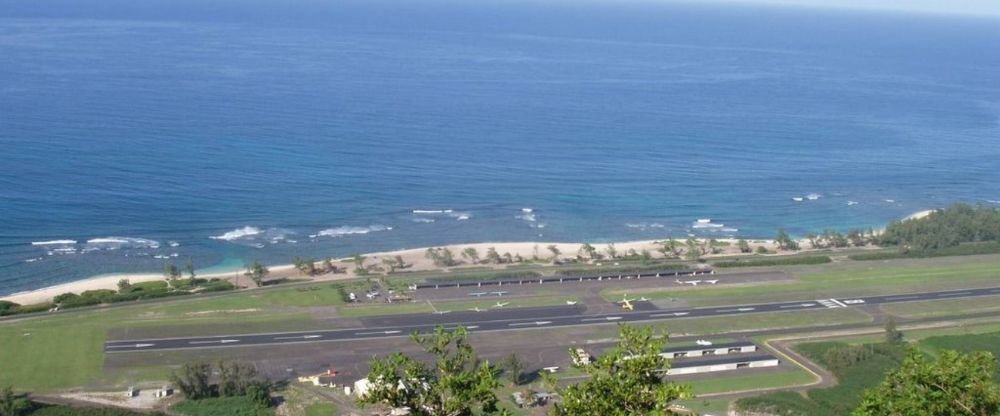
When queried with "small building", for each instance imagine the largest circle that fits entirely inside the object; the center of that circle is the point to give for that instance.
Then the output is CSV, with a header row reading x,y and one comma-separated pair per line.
x,y
131,392
707,350
164,391
715,364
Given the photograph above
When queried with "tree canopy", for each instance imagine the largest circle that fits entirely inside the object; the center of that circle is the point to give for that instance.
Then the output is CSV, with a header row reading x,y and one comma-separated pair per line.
x,y
629,380
959,223
955,384
458,384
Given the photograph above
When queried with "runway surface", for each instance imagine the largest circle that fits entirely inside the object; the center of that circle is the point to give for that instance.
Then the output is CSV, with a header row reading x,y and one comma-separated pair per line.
x,y
514,319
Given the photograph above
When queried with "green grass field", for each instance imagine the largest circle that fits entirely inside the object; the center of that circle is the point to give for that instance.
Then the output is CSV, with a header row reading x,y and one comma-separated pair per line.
x,y
321,409
948,307
844,279
769,320
376,309
722,382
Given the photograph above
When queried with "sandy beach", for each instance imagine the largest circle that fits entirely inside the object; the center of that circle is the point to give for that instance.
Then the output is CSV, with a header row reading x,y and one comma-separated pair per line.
x,y
414,257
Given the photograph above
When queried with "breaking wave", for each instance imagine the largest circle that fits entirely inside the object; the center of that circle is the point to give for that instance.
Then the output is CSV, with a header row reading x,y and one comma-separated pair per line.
x,y
238,233
350,230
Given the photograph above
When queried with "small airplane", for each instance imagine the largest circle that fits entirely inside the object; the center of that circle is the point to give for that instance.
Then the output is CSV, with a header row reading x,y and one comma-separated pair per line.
x,y
643,299
552,369
499,293
476,309
712,282
501,304
571,302
703,342
692,282
477,294
441,312
627,303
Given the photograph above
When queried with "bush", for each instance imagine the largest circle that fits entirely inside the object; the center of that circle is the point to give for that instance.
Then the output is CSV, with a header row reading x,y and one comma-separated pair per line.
x,y
85,411
485,276
774,261
8,308
662,267
969,249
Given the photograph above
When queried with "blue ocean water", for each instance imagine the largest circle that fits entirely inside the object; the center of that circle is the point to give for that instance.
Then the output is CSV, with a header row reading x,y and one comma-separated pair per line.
x,y
142,131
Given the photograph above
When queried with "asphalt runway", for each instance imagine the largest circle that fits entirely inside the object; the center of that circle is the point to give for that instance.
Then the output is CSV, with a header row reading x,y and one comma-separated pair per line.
x,y
515,319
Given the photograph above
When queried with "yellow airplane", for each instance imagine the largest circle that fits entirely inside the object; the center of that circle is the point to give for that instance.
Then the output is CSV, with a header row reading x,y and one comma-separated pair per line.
x,y
627,303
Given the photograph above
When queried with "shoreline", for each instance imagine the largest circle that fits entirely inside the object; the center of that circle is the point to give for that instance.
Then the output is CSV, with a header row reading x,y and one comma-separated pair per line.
x,y
413,256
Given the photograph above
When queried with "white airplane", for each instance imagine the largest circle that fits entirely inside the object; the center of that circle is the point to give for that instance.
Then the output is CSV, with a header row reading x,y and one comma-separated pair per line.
x,y
571,302
643,299
476,309
501,304
703,342
692,282
551,369
712,282
499,293
441,312
627,303
477,294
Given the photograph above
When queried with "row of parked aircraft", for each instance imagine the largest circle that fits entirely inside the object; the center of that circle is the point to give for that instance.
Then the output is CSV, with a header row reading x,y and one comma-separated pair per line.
x,y
695,282
481,294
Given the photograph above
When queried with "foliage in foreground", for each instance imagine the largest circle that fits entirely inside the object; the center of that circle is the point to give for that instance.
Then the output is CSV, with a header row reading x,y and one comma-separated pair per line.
x,y
235,380
953,385
457,384
629,380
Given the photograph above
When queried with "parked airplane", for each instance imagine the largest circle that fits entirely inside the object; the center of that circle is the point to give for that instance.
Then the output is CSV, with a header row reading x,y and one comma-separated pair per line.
x,y
501,304
712,282
476,309
441,312
500,293
477,294
692,282
627,303
571,302
703,342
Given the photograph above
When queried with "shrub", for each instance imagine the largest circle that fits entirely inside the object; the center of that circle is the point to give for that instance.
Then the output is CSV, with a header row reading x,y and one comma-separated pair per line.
x,y
774,261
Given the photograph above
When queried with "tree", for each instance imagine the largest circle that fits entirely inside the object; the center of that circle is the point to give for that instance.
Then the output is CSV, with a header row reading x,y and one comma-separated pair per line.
x,y
192,380
171,272
955,384
328,266
813,240
693,249
513,368
189,268
492,256
11,404
457,384
892,335
508,258
645,256
124,285
586,250
472,254
785,242
239,379
612,251
256,271
744,246
626,381
554,249
359,261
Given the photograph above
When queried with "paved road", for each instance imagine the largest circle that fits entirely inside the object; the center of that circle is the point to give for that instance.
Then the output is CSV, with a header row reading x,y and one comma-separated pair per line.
x,y
514,319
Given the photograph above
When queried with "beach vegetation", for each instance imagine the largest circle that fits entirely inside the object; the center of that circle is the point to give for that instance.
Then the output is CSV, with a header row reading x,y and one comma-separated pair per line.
x,y
957,224
965,249
953,384
554,249
471,254
761,250
744,246
441,256
586,250
773,261
171,272
508,258
611,251
124,285
256,271
645,257
628,380
492,256
785,242
359,261
8,308
457,383
306,266
189,268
